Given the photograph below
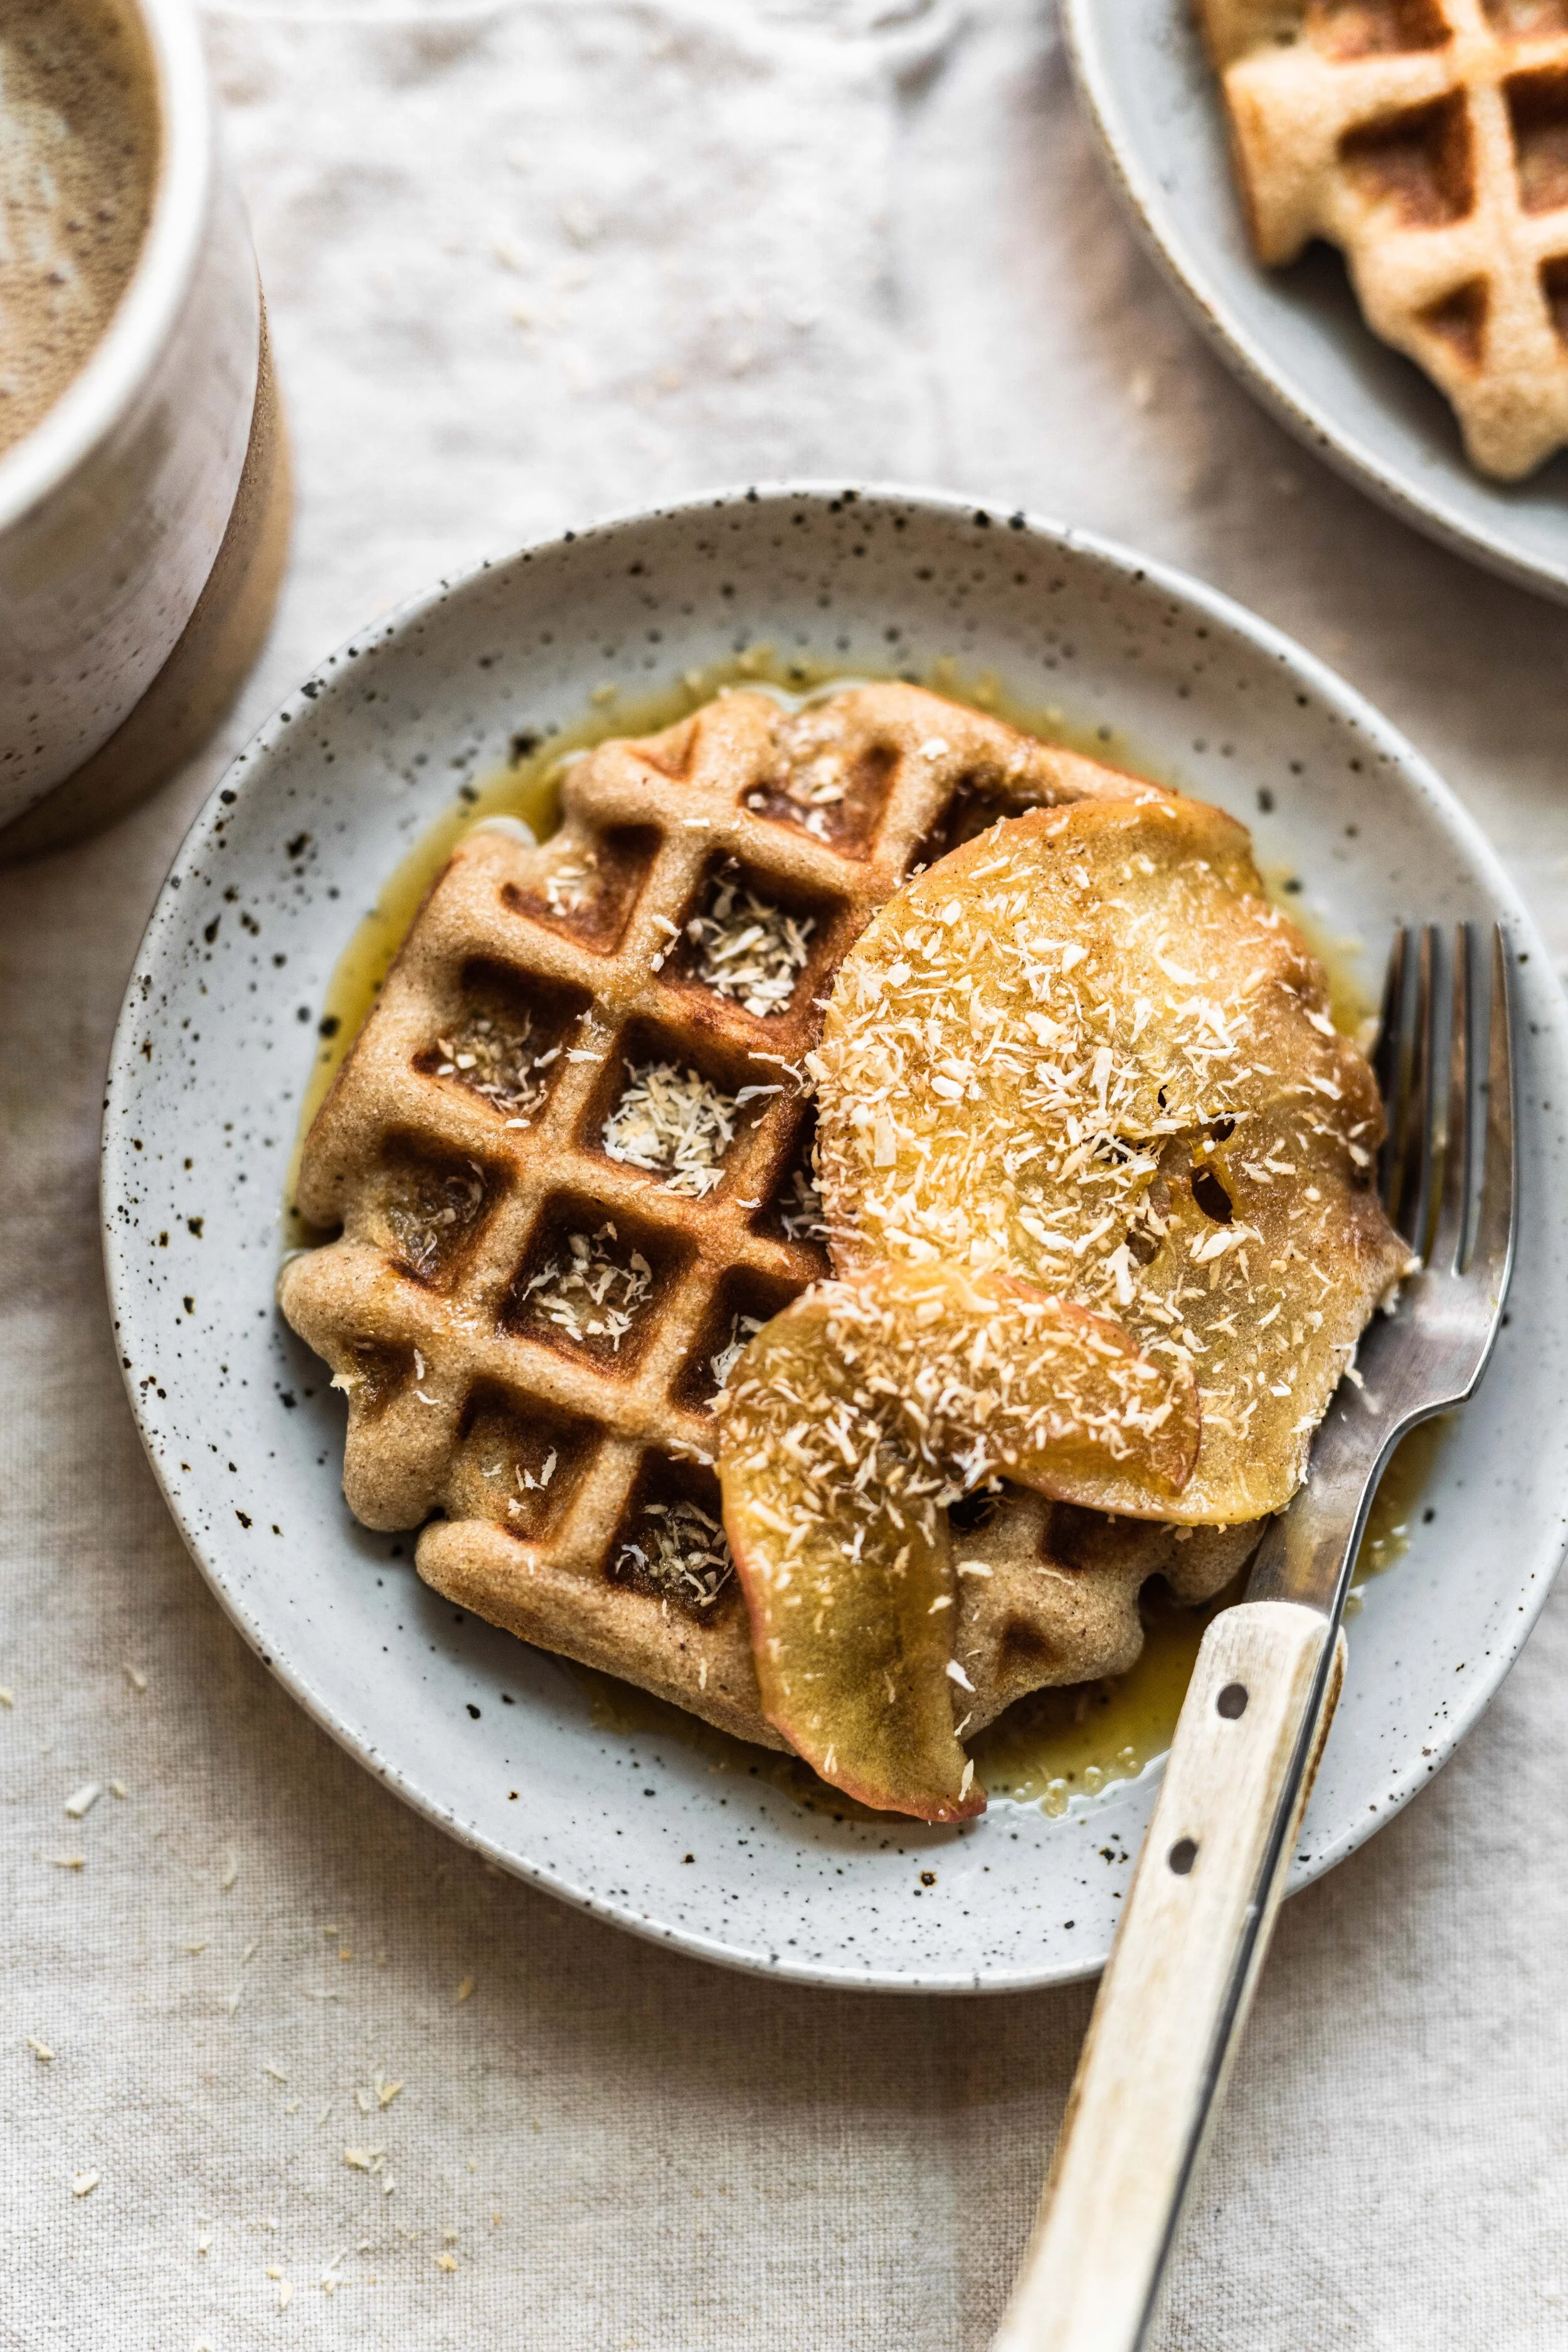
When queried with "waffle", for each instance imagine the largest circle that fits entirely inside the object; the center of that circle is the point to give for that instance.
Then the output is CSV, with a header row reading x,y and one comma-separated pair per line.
x,y
570,1159
1428,139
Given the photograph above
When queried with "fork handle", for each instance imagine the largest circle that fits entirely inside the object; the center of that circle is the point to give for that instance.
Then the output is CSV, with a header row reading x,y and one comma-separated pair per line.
x,y
1176,1990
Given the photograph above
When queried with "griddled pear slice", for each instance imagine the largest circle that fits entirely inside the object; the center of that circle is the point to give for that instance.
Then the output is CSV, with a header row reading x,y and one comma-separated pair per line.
x,y
852,1640
1085,1049
852,1420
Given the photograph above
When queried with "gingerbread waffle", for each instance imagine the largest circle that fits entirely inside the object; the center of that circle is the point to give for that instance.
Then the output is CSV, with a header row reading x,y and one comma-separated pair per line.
x,y
570,1153
1428,139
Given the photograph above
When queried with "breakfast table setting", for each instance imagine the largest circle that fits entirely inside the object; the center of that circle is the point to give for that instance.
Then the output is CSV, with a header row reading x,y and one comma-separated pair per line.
x,y
742,319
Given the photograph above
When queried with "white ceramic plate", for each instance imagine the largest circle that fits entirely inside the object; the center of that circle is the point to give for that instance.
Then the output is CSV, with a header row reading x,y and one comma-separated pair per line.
x,y
1295,337
215,1043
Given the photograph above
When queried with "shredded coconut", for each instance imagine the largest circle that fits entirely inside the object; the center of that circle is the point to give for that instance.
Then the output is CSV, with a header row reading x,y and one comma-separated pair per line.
x,y
742,1327
800,1208
680,1551
811,776
569,888
503,1064
750,949
429,1212
673,1122
591,1289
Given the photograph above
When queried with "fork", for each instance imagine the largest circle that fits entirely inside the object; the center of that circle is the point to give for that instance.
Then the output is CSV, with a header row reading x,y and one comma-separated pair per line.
x,y
1201,1908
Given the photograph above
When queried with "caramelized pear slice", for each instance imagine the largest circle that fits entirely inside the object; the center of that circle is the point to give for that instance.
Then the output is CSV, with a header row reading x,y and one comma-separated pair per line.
x,y
851,1632
1086,1049
851,1421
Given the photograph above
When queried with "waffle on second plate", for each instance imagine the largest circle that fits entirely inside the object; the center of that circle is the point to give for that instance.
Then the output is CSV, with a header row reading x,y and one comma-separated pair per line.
x,y
570,1155
1428,139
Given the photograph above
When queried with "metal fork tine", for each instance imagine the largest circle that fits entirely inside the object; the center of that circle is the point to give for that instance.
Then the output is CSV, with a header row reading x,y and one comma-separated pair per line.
x,y
1494,1230
1385,1053
1454,1208
1415,1124
1389,1060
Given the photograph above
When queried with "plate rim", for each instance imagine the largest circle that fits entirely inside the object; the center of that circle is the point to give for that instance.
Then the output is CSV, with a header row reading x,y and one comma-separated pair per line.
x,y
247,770
1338,444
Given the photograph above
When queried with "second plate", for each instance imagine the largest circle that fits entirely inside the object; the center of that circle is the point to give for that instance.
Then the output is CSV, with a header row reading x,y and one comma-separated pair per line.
x,y
1295,337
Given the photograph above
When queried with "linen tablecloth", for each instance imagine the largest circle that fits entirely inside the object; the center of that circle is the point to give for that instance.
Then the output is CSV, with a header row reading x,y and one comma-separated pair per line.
x,y
528,262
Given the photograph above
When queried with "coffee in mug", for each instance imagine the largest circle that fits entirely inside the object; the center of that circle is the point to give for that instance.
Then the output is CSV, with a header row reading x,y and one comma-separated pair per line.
x,y
144,492
79,159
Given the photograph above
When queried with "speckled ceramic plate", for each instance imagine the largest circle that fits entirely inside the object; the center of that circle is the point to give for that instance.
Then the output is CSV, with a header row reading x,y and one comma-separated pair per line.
x,y
1295,337
497,1742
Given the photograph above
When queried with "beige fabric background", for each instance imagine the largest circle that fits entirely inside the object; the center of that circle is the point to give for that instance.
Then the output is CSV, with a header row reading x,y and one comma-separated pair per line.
x,y
527,261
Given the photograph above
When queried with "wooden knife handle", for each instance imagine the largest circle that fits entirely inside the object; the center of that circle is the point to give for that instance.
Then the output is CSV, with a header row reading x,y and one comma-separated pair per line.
x,y
1176,1990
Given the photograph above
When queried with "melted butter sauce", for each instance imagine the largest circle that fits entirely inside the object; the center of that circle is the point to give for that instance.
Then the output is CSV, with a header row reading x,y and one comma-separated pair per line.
x,y
1056,1746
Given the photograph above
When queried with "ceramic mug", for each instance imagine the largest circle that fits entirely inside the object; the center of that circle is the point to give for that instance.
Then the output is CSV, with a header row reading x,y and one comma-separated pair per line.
x,y
143,519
